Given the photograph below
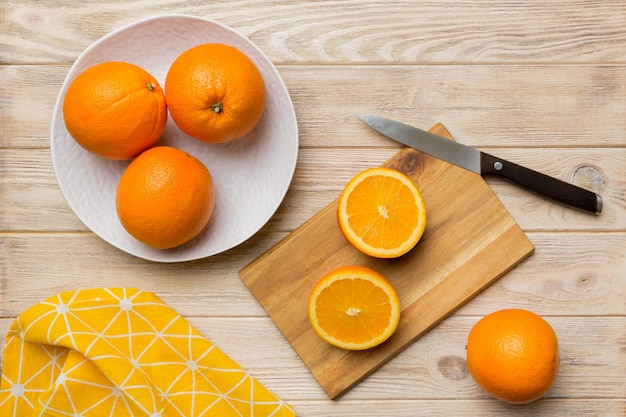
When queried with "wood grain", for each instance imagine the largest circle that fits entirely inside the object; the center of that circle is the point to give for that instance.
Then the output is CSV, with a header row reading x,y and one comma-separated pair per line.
x,y
556,106
470,241
540,83
432,371
362,31
556,281
32,201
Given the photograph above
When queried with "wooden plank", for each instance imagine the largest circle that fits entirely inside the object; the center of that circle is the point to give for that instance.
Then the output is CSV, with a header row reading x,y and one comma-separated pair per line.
x,y
30,198
461,408
435,375
434,366
350,31
528,105
470,241
569,274
430,371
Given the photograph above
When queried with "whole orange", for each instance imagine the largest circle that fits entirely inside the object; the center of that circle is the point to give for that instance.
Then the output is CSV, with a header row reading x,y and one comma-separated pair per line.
x,y
165,197
513,354
215,93
115,110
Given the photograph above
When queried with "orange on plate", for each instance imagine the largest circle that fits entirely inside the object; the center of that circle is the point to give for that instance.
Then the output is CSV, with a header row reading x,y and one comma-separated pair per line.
x,y
165,197
382,213
513,354
115,110
354,308
215,93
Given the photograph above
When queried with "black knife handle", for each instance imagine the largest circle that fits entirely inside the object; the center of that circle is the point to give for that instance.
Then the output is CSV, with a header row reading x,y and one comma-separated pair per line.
x,y
545,185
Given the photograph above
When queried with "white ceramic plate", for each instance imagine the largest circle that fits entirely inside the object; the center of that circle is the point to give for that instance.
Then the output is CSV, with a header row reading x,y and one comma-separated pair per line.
x,y
251,175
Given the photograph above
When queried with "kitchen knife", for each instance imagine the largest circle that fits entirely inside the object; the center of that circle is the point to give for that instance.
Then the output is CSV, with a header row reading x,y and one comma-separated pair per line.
x,y
484,164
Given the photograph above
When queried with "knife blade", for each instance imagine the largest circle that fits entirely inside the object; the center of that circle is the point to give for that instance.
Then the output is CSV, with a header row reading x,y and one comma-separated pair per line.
x,y
485,164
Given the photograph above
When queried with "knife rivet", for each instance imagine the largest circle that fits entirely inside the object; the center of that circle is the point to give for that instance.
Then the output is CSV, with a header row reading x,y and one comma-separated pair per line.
x,y
497,165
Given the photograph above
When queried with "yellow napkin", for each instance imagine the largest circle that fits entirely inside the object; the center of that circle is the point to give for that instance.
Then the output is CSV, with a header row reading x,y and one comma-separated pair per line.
x,y
121,352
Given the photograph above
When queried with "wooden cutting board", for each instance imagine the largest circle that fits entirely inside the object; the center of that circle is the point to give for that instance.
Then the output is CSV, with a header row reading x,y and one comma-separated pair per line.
x,y
470,241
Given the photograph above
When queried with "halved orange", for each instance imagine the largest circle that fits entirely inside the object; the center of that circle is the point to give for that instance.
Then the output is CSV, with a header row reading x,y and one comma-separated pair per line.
x,y
382,213
354,308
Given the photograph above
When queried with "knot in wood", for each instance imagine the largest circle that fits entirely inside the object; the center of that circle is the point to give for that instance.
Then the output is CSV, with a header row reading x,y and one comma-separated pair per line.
x,y
452,367
589,177
409,161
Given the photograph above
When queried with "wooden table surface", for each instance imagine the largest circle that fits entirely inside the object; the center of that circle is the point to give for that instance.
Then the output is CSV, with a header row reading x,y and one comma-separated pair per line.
x,y
541,83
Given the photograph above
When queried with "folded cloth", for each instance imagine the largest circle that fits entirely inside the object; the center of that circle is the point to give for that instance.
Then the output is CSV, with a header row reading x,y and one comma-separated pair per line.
x,y
121,352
